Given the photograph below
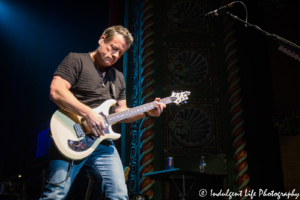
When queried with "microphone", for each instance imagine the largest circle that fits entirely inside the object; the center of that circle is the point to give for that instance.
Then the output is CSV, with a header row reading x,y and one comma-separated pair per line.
x,y
217,12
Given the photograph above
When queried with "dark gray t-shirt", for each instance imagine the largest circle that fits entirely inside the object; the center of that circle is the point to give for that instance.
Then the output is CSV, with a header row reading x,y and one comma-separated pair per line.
x,y
80,71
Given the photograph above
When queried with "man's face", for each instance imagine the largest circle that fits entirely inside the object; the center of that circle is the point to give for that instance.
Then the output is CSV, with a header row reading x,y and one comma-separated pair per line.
x,y
112,50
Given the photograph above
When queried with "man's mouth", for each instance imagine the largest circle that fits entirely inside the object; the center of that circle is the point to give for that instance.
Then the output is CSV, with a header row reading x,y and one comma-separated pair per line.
x,y
111,60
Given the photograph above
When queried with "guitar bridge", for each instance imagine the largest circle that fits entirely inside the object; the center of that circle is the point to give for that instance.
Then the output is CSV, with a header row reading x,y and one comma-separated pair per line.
x,y
78,130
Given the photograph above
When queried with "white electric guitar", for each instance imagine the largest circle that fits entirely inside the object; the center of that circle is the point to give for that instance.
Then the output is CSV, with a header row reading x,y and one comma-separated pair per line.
x,y
73,137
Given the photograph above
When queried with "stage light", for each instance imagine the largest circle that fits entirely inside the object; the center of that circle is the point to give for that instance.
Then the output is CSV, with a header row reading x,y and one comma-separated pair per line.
x,y
10,20
15,19
20,176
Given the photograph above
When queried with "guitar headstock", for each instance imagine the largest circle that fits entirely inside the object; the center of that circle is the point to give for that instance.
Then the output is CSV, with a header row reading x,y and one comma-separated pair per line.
x,y
180,97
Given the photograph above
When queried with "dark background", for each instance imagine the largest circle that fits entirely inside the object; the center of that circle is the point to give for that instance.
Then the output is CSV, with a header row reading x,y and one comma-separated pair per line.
x,y
35,36
269,82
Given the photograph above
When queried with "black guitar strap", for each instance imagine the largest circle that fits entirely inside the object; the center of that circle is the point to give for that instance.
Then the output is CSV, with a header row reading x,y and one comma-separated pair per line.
x,y
112,76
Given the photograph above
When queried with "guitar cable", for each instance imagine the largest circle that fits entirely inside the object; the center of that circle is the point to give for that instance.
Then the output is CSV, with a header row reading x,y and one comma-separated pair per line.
x,y
48,181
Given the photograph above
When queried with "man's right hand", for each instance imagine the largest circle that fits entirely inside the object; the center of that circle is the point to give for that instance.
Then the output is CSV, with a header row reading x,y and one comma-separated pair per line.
x,y
60,94
96,122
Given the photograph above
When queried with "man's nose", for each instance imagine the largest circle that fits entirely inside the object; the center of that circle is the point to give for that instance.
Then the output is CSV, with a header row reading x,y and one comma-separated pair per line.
x,y
116,55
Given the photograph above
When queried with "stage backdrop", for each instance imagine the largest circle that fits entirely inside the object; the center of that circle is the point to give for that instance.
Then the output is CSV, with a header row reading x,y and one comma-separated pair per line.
x,y
227,117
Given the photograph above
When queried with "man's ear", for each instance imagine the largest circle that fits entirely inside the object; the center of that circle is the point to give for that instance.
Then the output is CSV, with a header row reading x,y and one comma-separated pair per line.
x,y
101,39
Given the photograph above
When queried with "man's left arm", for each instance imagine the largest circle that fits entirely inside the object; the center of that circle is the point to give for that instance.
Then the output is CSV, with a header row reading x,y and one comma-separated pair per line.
x,y
154,112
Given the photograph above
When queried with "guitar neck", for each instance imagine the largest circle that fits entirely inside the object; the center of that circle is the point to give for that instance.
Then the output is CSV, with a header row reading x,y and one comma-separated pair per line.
x,y
116,117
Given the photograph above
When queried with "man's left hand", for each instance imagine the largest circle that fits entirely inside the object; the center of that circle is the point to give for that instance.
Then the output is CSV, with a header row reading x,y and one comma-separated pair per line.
x,y
158,110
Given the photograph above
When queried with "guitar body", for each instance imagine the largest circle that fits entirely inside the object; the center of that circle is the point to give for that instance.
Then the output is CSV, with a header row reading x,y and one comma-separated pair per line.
x,y
63,131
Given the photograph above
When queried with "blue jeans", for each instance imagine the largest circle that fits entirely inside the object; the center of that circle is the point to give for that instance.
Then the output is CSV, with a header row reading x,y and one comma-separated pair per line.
x,y
103,164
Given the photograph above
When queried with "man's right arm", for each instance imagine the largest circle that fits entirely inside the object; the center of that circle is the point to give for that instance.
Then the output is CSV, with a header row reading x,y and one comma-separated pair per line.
x,y
60,94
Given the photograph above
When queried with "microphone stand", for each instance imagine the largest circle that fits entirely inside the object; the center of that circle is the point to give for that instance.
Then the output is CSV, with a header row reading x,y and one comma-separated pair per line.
x,y
286,43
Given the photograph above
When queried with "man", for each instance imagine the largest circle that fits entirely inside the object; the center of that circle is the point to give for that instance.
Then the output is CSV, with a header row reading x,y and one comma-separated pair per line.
x,y
82,82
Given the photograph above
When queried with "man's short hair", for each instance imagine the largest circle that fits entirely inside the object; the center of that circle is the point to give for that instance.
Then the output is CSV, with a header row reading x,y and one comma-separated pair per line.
x,y
110,32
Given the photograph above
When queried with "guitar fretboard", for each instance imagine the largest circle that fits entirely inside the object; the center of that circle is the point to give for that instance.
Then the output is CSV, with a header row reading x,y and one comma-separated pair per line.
x,y
116,117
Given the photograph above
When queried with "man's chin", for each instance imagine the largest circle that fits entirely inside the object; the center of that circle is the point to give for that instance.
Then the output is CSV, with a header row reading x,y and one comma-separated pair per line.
x,y
110,63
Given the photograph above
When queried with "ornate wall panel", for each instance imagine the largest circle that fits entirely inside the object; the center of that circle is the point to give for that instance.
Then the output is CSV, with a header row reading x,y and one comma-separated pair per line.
x,y
194,127
190,65
141,133
185,17
190,62
185,11
135,70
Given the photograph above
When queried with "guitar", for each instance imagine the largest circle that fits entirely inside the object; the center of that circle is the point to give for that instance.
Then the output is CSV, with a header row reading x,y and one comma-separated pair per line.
x,y
72,135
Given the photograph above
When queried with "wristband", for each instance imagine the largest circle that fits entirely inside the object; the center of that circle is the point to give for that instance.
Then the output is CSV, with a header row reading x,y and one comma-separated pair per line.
x,y
146,114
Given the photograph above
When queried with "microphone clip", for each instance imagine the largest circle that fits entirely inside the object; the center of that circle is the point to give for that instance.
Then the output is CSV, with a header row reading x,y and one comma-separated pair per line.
x,y
222,9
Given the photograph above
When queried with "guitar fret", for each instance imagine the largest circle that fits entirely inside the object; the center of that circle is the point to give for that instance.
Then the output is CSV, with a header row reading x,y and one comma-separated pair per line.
x,y
151,106
108,119
128,113
116,117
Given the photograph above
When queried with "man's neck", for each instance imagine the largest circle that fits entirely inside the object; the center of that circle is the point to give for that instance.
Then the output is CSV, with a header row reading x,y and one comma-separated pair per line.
x,y
96,61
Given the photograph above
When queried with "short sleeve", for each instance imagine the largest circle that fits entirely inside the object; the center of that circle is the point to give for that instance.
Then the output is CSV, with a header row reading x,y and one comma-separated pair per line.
x,y
69,69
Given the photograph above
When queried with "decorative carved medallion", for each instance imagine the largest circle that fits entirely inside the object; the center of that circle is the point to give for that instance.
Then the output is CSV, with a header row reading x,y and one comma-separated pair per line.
x,y
188,68
191,126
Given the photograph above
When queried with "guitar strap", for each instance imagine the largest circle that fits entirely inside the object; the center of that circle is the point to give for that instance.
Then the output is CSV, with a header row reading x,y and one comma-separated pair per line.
x,y
112,76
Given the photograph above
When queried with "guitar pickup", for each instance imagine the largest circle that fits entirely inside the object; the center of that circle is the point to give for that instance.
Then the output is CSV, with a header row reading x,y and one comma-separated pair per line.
x,y
78,130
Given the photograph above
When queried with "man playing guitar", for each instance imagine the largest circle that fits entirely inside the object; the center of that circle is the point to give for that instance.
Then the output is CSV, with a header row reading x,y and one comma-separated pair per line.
x,y
80,83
